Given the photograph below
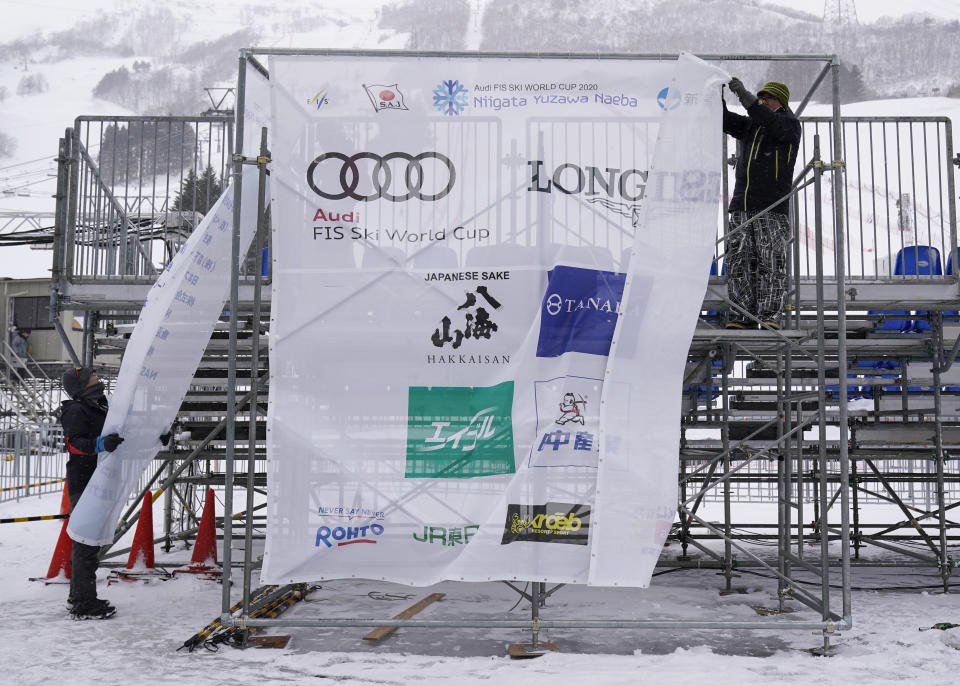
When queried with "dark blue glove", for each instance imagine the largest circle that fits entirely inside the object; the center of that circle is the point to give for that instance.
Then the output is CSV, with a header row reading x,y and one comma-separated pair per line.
x,y
108,443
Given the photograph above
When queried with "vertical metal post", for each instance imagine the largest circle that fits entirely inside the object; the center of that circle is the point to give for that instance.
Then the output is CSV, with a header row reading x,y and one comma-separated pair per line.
x,y
944,560
232,357
248,557
168,509
725,437
822,497
534,615
840,257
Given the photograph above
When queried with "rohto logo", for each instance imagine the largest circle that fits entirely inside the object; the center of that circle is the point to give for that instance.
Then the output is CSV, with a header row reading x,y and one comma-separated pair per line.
x,y
579,311
396,176
457,432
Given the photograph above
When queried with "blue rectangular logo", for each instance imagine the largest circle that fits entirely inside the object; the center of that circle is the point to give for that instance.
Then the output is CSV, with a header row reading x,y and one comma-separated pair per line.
x,y
579,311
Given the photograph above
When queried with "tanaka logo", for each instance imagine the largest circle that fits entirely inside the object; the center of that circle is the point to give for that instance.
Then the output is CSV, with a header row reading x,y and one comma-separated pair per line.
x,y
456,432
579,311
395,176
385,97
450,98
549,523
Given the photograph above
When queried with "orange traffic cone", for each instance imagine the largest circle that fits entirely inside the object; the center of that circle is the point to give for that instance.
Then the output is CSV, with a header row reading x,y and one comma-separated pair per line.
x,y
205,547
65,500
141,553
60,562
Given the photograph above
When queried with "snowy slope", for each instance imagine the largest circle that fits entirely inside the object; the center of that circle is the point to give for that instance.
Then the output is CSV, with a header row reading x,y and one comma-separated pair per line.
x,y
139,646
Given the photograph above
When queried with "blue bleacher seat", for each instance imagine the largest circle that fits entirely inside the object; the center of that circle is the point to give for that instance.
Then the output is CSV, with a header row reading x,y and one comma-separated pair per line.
x,y
914,260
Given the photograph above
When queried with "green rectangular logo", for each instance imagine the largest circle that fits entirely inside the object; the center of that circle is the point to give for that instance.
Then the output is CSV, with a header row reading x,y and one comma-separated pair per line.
x,y
459,432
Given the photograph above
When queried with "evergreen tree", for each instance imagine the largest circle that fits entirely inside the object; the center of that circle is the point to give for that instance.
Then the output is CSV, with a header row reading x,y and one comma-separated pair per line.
x,y
198,193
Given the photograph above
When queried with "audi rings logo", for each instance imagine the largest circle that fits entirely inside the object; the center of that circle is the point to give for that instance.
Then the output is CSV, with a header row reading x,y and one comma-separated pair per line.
x,y
382,176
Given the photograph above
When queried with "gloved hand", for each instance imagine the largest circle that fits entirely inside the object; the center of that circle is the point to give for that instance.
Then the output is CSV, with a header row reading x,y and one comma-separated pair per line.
x,y
165,439
109,442
746,97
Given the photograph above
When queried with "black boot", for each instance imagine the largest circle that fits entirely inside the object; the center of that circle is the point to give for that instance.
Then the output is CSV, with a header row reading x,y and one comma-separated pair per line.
x,y
93,609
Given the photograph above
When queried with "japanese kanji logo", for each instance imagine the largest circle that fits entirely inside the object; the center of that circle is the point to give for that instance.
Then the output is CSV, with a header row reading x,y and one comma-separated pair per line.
x,y
567,422
475,321
459,432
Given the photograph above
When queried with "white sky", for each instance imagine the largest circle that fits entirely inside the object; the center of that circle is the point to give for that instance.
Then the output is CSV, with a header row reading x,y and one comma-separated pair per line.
x,y
24,16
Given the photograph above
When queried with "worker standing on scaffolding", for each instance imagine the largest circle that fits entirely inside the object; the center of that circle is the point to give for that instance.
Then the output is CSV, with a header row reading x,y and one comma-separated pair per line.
x,y
756,252
21,349
83,417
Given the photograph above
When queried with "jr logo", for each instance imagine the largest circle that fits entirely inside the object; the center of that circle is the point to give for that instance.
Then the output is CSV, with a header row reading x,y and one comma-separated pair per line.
x,y
459,432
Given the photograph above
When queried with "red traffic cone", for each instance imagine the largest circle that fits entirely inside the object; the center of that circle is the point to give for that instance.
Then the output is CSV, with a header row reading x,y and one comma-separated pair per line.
x,y
141,553
60,562
205,547
65,500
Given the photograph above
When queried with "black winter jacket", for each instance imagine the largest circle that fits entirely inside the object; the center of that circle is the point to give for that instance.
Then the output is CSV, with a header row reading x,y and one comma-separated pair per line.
x,y
769,152
82,422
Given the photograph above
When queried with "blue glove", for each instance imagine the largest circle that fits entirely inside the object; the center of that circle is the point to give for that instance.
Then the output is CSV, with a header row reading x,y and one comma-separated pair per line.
x,y
108,443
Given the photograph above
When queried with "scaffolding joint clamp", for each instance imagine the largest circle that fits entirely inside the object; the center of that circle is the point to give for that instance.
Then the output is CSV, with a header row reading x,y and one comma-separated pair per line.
x,y
838,164
830,627
263,159
535,625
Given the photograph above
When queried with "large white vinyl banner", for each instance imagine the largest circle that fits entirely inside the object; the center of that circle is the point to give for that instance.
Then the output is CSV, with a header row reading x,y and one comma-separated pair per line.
x,y
486,276
161,357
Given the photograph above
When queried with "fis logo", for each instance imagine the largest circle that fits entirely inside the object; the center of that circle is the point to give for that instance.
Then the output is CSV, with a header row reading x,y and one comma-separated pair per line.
x,y
320,99
456,432
579,311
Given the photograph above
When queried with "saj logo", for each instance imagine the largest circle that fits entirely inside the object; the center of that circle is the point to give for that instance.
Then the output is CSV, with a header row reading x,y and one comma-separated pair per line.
x,y
450,98
457,432
567,422
579,311
385,97
668,98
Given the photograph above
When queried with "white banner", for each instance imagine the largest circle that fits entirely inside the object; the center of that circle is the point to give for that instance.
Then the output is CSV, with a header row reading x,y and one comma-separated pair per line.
x,y
452,264
161,357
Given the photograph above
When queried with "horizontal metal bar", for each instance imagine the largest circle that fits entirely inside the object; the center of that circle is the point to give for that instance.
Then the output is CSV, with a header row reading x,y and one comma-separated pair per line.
x,y
475,54
473,623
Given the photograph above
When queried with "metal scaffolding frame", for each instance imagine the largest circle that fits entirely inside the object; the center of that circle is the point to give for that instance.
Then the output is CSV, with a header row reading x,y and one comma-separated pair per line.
x,y
759,394
830,621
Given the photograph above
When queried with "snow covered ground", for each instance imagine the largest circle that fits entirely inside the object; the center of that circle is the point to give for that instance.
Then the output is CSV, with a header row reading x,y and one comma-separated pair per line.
x,y
139,646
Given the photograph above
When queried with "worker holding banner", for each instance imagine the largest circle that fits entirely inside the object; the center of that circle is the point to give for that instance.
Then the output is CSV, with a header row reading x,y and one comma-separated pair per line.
x,y
756,252
82,418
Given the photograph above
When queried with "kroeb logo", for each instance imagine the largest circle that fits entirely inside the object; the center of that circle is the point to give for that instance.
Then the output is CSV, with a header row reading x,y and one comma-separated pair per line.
x,y
668,98
450,98
579,311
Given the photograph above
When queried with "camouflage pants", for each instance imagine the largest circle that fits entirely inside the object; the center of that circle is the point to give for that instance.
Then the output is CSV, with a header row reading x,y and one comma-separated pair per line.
x,y
756,266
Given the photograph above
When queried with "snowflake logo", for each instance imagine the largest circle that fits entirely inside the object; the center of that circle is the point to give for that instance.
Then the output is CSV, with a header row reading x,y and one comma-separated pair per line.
x,y
450,97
